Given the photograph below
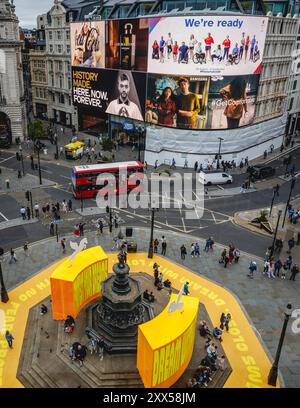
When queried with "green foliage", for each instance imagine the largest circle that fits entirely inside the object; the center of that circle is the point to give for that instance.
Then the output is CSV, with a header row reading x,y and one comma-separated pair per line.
x,y
263,217
36,129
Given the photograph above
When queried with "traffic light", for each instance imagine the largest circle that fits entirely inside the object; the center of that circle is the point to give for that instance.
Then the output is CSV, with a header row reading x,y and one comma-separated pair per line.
x,y
27,195
18,157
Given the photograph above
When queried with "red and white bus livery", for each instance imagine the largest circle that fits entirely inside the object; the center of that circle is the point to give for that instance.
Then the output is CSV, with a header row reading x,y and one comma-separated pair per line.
x,y
85,177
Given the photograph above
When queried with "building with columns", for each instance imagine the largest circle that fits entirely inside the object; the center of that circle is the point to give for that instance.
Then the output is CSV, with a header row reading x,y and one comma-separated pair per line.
x,y
13,122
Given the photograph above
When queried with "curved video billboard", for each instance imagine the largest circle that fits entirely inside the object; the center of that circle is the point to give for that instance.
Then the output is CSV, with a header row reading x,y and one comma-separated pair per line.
x,y
195,72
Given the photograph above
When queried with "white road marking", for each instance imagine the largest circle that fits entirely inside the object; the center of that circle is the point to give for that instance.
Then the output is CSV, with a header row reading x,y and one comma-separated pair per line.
x,y
8,158
68,178
47,171
2,215
220,187
129,216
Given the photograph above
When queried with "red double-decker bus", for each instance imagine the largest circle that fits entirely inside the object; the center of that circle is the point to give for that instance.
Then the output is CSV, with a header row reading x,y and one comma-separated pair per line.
x,y
84,178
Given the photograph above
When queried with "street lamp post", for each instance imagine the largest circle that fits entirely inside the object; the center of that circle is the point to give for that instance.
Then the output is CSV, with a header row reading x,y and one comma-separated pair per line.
x,y
4,295
289,198
272,378
272,202
150,251
22,161
275,233
38,148
56,146
219,152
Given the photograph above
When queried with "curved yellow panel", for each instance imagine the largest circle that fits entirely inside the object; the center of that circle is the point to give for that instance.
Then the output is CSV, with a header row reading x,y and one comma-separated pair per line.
x,y
163,358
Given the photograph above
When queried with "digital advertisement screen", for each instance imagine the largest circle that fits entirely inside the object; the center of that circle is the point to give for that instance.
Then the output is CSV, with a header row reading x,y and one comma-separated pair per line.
x,y
187,72
88,44
118,92
206,45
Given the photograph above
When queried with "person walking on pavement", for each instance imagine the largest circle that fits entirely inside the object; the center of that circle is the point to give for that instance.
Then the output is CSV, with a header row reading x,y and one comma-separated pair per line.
x,y
291,244
186,288
37,210
23,213
227,320
25,247
64,205
12,256
63,245
192,250
81,229
70,205
51,230
196,166
277,267
294,271
183,251
252,268
197,249
9,338
276,190
28,213
101,226
155,245
289,262
163,245
278,245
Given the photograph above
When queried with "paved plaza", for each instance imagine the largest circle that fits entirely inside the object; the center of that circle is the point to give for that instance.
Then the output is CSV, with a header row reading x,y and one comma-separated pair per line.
x,y
259,297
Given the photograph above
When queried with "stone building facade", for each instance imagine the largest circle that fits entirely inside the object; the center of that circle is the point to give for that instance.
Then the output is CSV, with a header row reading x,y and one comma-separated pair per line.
x,y
12,101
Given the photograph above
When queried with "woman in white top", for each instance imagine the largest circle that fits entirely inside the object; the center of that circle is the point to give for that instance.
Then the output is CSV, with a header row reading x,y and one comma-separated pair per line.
x,y
192,43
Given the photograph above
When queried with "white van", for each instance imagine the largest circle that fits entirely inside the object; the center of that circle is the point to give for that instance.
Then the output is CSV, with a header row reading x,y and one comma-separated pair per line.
x,y
214,177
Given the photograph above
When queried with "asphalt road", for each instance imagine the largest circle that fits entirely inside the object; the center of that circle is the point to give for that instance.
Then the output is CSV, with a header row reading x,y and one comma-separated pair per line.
x,y
216,219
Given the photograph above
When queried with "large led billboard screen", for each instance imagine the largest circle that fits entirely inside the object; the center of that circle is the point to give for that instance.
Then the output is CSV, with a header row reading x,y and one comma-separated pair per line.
x,y
195,72
206,45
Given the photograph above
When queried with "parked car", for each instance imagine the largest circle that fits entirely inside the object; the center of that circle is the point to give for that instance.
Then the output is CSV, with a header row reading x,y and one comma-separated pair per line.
x,y
214,177
261,171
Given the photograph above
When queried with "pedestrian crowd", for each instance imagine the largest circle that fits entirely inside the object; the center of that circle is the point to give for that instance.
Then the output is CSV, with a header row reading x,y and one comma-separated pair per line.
x,y
277,268
212,361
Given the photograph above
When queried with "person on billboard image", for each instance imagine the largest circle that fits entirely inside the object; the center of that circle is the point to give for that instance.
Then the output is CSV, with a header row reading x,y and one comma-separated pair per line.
x,y
235,95
192,43
226,43
166,108
162,45
187,105
155,50
175,51
169,45
122,106
183,53
247,43
242,46
217,54
252,46
208,42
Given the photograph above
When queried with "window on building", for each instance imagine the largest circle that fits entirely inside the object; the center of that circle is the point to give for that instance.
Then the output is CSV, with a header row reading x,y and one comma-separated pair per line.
x,y
52,80
58,35
68,67
68,49
291,104
69,83
51,48
51,65
50,35
53,97
60,66
106,12
59,48
67,34
61,82
61,98
294,85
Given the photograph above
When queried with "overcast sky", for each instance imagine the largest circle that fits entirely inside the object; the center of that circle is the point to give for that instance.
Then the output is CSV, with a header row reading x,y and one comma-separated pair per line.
x,y
28,10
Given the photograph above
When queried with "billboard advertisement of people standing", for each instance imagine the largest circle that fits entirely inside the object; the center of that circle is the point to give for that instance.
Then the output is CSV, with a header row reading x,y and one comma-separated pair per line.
x,y
206,45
